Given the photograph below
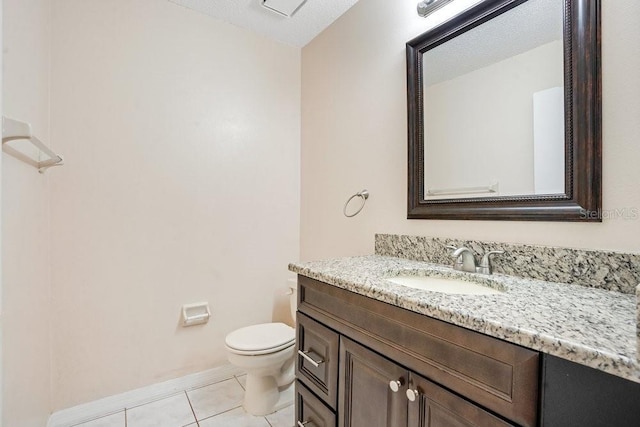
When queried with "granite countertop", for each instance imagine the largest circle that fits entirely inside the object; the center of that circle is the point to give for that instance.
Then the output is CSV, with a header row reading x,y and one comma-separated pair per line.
x,y
593,327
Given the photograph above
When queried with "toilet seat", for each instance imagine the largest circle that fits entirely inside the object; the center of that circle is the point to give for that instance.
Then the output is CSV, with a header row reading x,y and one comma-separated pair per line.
x,y
259,339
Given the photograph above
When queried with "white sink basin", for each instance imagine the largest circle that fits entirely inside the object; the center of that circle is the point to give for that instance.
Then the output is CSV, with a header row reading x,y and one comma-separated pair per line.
x,y
444,285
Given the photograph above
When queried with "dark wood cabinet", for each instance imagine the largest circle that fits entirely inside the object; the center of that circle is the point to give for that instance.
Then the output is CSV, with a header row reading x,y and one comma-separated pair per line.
x,y
495,375
310,411
376,392
380,365
364,363
317,358
366,400
434,406
574,395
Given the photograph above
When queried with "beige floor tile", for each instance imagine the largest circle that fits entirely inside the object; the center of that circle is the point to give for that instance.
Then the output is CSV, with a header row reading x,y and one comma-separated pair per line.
x,y
236,418
216,398
283,418
243,380
173,411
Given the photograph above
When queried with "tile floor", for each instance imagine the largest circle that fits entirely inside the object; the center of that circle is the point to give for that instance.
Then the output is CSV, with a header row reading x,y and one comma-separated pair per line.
x,y
214,405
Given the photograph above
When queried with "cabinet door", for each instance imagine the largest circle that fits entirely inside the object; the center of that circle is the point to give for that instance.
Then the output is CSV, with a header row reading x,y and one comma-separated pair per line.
x,y
575,395
366,399
432,406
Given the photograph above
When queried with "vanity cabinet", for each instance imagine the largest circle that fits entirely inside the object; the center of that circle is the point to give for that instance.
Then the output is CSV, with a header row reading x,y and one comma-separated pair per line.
x,y
454,376
369,399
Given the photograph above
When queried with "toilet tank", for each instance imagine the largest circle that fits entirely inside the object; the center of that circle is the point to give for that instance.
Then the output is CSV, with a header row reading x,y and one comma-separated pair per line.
x,y
293,297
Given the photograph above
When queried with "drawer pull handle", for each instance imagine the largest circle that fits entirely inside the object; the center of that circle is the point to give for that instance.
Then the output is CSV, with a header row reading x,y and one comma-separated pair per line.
x,y
306,357
412,395
395,385
302,424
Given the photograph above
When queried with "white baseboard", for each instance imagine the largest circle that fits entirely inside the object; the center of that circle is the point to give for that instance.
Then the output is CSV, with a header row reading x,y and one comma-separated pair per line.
x,y
112,404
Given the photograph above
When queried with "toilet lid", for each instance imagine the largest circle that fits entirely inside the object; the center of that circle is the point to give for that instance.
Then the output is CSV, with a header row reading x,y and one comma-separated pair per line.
x,y
261,338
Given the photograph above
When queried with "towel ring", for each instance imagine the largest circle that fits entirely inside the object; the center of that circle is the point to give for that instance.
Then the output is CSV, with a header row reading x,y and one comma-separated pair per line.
x,y
364,195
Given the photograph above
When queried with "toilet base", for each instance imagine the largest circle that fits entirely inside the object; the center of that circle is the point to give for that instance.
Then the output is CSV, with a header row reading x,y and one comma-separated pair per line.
x,y
262,397
286,397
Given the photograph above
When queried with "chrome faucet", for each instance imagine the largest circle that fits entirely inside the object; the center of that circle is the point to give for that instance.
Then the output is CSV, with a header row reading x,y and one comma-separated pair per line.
x,y
466,261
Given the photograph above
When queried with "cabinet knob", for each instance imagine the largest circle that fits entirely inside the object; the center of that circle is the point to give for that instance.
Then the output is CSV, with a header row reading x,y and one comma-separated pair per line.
x,y
412,395
395,385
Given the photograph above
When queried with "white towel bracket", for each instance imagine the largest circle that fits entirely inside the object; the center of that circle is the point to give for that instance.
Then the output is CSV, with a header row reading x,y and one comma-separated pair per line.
x,y
14,130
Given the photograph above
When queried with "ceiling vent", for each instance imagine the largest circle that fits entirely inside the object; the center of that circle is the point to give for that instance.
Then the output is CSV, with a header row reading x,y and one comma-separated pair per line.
x,y
283,7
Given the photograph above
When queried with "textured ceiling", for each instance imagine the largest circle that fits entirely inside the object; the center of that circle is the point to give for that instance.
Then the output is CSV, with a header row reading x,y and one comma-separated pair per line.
x,y
309,21
523,28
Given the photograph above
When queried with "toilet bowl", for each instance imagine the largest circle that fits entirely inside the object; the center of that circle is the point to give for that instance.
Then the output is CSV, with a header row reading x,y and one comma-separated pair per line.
x,y
266,352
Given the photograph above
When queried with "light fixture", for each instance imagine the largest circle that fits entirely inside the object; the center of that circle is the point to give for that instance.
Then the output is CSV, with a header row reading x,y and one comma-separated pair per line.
x,y
426,7
283,7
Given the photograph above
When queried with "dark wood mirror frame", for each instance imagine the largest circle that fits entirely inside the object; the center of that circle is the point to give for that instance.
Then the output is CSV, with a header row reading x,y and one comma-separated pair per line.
x,y
583,134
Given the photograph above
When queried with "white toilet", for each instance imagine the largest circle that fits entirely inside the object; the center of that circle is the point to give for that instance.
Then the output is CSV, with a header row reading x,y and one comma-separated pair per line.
x,y
266,353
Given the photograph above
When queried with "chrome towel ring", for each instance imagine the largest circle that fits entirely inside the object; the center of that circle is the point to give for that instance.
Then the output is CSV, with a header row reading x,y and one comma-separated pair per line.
x,y
364,195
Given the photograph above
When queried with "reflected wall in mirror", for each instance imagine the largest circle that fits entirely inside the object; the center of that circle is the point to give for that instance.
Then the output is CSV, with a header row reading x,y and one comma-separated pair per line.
x,y
504,113
486,93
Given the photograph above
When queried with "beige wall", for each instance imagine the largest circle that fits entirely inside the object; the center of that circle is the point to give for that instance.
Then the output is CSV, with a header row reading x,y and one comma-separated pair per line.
x,y
1,314
181,183
26,277
181,140
354,136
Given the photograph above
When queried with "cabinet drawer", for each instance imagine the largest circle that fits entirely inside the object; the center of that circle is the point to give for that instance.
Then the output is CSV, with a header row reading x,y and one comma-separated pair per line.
x,y
310,411
317,358
500,376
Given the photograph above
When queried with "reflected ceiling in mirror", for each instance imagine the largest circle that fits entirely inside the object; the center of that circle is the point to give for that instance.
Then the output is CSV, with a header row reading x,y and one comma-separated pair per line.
x,y
504,113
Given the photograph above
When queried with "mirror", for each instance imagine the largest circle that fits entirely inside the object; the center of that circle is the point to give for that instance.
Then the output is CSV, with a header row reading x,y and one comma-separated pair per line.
x,y
492,94
504,113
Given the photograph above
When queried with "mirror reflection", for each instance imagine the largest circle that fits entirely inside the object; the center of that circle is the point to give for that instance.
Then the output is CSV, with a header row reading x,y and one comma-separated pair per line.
x,y
494,107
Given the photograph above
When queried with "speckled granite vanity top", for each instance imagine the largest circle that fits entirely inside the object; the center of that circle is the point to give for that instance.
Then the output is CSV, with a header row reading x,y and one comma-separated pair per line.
x,y
593,327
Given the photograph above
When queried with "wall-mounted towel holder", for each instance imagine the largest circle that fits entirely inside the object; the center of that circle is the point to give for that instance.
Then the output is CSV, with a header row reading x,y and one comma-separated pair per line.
x,y
14,130
363,195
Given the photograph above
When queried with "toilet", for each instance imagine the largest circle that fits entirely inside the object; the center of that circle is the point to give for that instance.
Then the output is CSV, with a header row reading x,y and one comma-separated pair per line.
x,y
266,352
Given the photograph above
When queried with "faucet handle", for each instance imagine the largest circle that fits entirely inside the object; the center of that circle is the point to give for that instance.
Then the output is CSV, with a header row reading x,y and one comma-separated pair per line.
x,y
485,264
457,265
